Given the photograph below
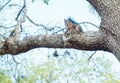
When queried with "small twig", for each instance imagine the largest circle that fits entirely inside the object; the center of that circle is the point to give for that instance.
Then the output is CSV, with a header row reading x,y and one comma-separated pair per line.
x,y
3,36
91,56
24,11
90,23
19,14
15,34
36,23
14,5
7,27
4,5
15,60
59,31
47,29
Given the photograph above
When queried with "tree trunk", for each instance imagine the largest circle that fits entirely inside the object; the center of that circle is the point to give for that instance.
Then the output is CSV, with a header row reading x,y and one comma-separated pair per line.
x,y
109,11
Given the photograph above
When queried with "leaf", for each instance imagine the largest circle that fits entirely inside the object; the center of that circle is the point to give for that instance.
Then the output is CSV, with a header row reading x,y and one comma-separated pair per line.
x,y
45,1
33,1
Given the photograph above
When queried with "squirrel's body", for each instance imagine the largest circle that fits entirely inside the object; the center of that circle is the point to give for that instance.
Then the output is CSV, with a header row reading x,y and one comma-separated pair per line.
x,y
71,24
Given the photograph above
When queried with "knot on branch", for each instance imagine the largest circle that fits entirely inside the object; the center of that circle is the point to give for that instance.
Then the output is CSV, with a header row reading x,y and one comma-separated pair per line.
x,y
10,45
12,42
68,35
71,38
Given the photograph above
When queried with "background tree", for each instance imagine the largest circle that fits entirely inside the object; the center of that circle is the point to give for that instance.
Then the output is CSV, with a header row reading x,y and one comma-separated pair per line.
x,y
60,69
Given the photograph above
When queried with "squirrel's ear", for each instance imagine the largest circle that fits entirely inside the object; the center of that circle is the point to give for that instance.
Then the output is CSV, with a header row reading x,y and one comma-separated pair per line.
x,y
65,21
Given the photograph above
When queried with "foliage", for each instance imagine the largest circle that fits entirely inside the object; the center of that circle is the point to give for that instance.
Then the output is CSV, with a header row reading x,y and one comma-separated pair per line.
x,y
4,78
75,70
62,70
45,1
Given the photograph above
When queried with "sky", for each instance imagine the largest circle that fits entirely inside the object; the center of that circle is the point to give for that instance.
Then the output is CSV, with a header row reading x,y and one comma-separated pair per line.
x,y
58,10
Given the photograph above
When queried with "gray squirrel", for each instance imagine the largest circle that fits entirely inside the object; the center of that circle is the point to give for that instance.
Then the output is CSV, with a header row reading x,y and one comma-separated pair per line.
x,y
71,24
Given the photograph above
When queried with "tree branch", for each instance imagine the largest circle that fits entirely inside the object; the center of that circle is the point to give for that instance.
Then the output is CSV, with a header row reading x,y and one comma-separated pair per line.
x,y
82,41
5,5
104,7
109,11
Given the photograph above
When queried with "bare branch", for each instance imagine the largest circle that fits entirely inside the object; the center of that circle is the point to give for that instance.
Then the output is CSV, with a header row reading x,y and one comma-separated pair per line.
x,y
59,31
35,23
90,24
15,60
16,32
5,27
46,28
5,5
91,56
20,62
24,10
14,5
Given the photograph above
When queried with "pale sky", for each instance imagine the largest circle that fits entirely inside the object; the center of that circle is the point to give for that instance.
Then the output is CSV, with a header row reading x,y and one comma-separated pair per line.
x,y
58,10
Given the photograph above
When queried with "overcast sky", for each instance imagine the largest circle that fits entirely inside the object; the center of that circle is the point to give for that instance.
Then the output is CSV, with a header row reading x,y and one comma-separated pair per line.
x,y
58,10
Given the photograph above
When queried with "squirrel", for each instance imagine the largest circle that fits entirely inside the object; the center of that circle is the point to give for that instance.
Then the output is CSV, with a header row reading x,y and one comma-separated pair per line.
x,y
71,24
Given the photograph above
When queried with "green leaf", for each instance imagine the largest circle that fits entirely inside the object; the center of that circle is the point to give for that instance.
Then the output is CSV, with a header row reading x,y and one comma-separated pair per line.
x,y
33,1
45,1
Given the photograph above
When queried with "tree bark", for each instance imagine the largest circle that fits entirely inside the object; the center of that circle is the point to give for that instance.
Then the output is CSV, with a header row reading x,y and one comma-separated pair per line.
x,y
109,11
106,39
82,41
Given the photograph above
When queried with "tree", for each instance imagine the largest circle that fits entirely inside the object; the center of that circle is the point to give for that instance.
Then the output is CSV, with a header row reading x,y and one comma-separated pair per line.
x,y
76,70
106,39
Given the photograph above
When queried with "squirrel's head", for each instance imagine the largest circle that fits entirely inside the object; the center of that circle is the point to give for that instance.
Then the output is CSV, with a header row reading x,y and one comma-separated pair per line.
x,y
68,24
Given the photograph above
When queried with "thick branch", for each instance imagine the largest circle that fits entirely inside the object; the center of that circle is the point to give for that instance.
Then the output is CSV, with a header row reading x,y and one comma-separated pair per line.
x,y
109,11
82,41
104,7
88,41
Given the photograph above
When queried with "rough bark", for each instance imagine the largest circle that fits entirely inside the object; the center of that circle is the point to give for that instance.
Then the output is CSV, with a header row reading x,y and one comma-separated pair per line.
x,y
82,41
107,38
109,11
